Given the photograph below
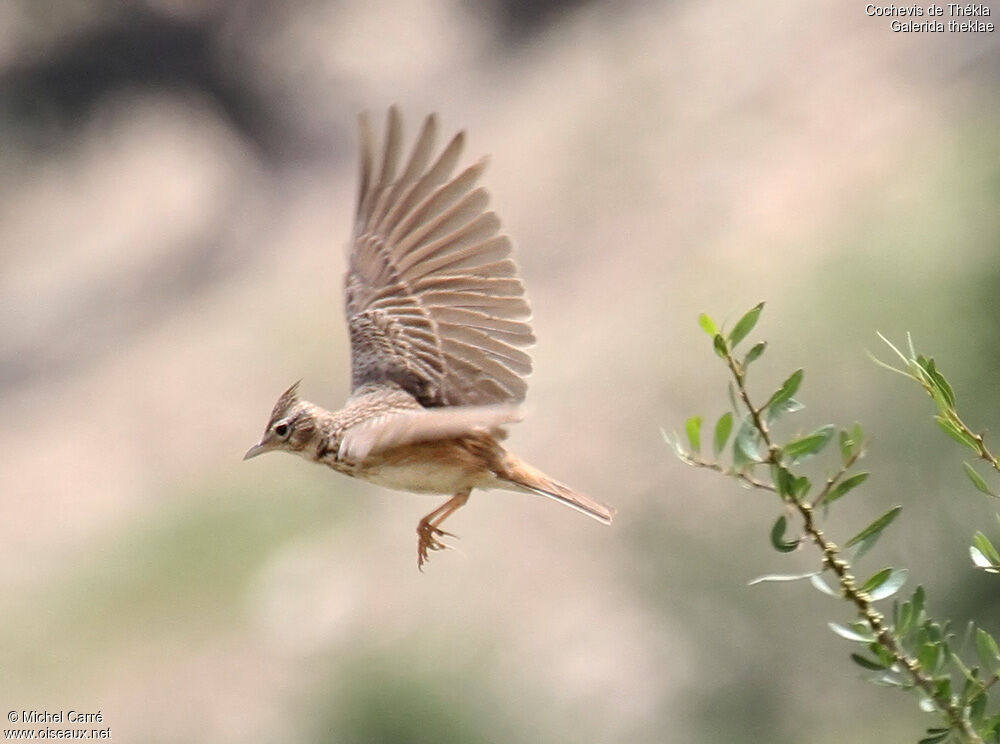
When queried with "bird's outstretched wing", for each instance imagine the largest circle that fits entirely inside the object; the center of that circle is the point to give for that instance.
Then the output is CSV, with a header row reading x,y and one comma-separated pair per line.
x,y
434,301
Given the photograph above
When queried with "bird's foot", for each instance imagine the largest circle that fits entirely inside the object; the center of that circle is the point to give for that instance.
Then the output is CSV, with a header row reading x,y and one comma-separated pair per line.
x,y
427,540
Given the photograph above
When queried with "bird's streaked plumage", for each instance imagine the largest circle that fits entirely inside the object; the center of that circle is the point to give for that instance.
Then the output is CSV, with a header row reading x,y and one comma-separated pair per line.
x,y
438,324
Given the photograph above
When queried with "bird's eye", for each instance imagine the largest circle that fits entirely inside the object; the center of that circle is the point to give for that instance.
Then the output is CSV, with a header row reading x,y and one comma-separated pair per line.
x,y
281,430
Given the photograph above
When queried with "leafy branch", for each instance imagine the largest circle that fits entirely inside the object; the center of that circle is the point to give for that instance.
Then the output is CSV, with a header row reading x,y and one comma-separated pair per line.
x,y
908,649
925,372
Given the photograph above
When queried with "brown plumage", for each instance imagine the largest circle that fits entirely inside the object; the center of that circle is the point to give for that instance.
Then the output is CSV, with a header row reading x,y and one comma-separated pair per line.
x,y
438,322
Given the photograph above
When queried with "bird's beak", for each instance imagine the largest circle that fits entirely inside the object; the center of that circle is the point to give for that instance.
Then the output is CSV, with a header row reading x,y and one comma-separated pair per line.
x,y
257,449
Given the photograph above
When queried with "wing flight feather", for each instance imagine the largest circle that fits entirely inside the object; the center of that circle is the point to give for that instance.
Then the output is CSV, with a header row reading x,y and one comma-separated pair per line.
x,y
434,302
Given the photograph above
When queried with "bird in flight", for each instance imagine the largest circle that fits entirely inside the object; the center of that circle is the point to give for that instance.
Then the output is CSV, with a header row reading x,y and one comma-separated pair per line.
x,y
438,322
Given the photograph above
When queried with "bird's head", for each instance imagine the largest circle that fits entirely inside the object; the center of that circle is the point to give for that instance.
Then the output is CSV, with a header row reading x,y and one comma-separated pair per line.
x,y
290,428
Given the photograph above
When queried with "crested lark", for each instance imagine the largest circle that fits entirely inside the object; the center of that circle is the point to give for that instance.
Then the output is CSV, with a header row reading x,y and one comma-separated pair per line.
x,y
437,319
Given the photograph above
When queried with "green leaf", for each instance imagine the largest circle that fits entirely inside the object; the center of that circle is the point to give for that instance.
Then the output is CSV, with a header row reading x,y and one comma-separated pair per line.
x,y
746,445
873,530
708,325
854,633
788,388
846,485
919,595
978,707
905,619
939,735
810,444
966,672
928,706
818,582
989,654
929,655
693,426
775,412
869,664
783,480
674,442
986,549
977,479
931,631
883,654
877,580
845,446
942,685
938,382
781,577
754,354
909,622
720,346
890,679
955,432
778,540
980,561
990,727
723,427
744,325
892,584
851,443
801,487
940,401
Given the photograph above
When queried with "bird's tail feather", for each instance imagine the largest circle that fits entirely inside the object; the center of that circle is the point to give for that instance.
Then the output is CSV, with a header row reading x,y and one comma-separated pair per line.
x,y
526,478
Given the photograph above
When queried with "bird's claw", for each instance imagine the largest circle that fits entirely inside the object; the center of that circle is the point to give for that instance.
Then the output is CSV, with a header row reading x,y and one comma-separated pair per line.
x,y
427,540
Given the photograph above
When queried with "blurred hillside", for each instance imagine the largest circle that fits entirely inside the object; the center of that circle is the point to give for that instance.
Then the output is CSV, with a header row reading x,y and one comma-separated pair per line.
x,y
176,192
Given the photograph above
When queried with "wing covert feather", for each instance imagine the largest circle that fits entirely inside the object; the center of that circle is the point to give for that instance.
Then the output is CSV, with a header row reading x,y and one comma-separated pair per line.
x,y
386,431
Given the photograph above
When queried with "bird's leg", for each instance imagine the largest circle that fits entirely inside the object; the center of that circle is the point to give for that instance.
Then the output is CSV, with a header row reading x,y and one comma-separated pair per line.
x,y
428,530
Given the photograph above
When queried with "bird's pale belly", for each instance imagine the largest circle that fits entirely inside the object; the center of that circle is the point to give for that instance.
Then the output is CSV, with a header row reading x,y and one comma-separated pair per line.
x,y
423,477
429,467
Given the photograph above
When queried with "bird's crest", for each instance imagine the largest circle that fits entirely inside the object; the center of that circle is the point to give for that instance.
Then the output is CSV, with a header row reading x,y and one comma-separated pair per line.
x,y
285,403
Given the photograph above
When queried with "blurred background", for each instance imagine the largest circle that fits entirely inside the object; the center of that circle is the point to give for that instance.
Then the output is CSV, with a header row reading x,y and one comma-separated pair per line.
x,y
176,190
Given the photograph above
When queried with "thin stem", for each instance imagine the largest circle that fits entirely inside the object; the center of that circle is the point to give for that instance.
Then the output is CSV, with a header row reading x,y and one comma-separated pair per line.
x,y
982,449
740,376
834,479
697,462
